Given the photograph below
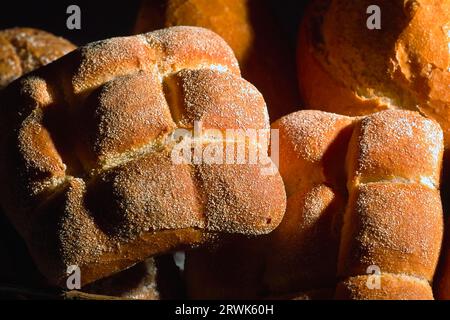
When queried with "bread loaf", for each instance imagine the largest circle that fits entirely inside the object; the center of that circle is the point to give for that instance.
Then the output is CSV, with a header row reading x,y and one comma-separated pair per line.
x,y
25,49
251,30
362,193
394,218
348,68
87,161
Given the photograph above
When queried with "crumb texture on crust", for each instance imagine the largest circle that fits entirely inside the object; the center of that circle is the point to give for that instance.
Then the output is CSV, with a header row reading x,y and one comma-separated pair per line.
x,y
250,29
392,287
25,49
361,192
346,68
88,145
394,220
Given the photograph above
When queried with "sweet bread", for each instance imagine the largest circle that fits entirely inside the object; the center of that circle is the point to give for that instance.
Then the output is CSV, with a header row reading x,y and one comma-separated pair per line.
x,y
88,169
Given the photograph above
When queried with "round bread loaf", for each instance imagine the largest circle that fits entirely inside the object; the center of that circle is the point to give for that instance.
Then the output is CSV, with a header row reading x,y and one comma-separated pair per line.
x,y
347,68
25,49
87,147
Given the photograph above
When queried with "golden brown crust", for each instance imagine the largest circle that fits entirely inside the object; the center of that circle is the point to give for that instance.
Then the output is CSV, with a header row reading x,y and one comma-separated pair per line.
x,y
395,226
356,71
88,151
25,49
392,287
304,248
394,218
391,163
416,157
251,31
314,144
301,253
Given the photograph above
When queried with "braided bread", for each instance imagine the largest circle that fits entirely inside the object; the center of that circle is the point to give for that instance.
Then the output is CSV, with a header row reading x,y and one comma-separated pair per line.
x,y
362,192
25,49
87,155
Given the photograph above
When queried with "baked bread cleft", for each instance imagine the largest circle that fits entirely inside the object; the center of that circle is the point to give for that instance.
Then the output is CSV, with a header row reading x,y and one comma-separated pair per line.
x,y
24,49
250,29
362,192
87,151
347,68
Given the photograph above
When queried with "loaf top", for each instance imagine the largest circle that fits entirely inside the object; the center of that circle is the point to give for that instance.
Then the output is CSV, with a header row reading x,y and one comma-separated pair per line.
x,y
25,49
402,65
404,62
87,149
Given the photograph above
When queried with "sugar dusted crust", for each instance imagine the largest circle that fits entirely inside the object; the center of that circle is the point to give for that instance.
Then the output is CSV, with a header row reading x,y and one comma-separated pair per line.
x,y
353,70
392,287
86,152
361,192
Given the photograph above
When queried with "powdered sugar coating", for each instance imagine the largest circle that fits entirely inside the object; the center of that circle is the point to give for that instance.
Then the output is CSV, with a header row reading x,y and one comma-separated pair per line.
x,y
104,113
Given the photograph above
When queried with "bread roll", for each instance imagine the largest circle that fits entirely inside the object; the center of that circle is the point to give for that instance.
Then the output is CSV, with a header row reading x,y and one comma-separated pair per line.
x,y
304,247
389,164
24,49
347,68
86,144
394,218
250,29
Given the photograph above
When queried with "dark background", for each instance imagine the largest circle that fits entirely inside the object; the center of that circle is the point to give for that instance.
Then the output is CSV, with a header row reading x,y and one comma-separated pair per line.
x,y
105,19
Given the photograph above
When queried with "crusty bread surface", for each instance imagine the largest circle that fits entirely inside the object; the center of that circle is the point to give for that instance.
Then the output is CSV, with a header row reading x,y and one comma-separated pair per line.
x,y
87,153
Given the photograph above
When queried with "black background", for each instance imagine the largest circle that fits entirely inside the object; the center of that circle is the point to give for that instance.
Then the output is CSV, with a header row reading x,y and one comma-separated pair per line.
x,y
105,19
